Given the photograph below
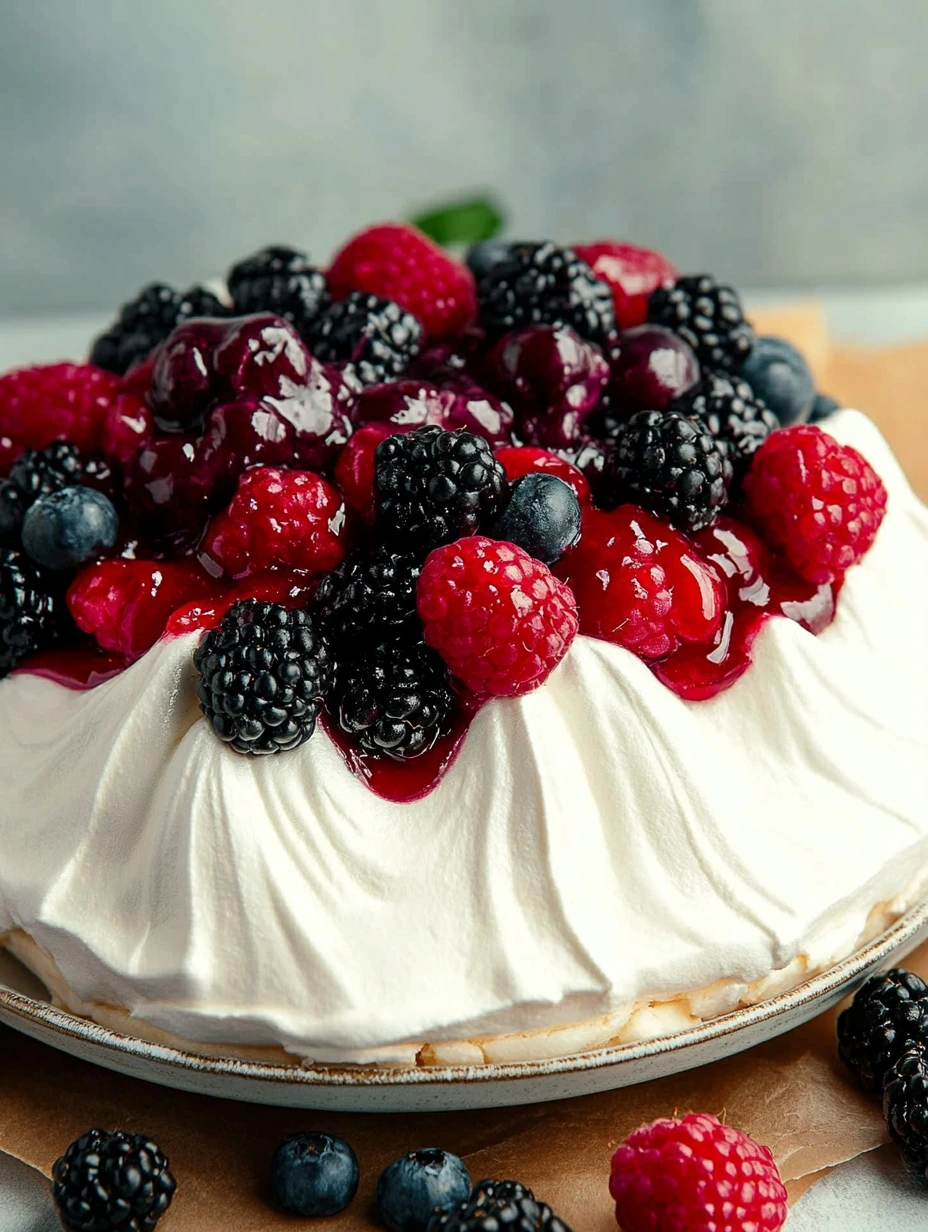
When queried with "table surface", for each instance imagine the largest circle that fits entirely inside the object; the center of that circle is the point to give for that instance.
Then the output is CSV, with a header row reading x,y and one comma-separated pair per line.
x,y
870,1194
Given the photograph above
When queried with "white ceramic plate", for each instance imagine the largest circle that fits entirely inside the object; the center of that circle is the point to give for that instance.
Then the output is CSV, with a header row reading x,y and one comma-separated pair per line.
x,y
23,1005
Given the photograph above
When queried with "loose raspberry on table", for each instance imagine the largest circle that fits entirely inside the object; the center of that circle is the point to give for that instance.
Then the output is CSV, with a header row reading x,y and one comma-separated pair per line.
x,y
126,604
56,402
696,1175
642,585
500,620
818,502
396,261
277,518
632,273
519,460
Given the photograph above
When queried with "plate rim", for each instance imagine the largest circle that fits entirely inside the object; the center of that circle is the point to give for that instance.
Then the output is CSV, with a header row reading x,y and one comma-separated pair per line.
x,y
839,976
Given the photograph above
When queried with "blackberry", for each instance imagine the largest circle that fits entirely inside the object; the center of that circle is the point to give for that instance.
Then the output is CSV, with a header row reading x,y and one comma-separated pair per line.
x,y
734,414
671,465
112,1180
30,609
263,674
432,487
396,701
905,1107
145,321
887,1016
280,280
375,337
370,597
708,316
498,1206
543,284
39,472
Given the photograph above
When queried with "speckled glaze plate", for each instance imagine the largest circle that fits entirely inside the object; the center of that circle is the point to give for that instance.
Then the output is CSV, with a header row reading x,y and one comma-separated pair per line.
x,y
24,1006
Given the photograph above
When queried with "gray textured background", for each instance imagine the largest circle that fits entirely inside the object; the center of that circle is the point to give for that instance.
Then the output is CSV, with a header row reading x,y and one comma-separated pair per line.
x,y
776,142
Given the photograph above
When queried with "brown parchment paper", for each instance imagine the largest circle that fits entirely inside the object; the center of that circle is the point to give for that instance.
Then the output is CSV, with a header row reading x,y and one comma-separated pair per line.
x,y
790,1093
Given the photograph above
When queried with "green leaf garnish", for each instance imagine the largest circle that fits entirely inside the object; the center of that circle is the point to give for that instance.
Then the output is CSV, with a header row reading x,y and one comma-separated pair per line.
x,y
465,221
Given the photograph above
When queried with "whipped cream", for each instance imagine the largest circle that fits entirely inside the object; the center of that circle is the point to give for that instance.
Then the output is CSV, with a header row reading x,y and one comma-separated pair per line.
x,y
597,841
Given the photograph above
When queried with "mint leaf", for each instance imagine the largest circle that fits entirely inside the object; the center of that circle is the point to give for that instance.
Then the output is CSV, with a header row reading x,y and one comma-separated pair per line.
x,y
466,221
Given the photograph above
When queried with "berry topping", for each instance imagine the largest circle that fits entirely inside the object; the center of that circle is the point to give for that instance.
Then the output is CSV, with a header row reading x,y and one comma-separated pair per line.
x,y
498,1206
818,502
374,338
127,427
183,379
641,585
407,404
56,402
277,519
671,465
707,316
542,284
482,256
651,368
263,674
696,1174
905,1106
30,609
146,321
632,273
543,517
823,407
125,604
432,487
499,619
314,1175
554,380
354,470
282,281
414,1186
779,374
370,597
396,700
888,1015
112,1180
733,413
262,355
39,472
519,460
397,262
68,528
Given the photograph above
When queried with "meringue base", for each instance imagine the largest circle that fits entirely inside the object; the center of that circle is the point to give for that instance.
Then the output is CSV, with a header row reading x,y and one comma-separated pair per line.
x,y
636,1022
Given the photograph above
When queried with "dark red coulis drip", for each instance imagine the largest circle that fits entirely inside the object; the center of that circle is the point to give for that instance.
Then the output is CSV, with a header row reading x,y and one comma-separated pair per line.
x,y
74,667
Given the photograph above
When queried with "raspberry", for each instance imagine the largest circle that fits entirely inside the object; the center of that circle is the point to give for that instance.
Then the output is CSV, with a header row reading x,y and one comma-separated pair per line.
x,y
542,284
632,273
820,503
56,402
112,1180
706,315
277,518
354,470
905,1106
279,280
670,464
887,1016
373,337
126,428
432,486
263,674
696,1175
398,262
734,414
126,604
288,589
500,620
30,609
519,460
641,585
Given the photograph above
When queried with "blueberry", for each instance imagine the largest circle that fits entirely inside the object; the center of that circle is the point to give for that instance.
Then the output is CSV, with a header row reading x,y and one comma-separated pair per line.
x,y
483,256
314,1174
410,1190
779,375
823,406
543,517
69,527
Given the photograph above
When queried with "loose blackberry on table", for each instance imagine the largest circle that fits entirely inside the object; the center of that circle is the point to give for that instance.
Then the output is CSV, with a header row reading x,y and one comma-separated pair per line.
x,y
887,1016
733,413
374,337
279,280
263,674
32,609
905,1107
112,1181
432,487
498,1206
707,315
544,284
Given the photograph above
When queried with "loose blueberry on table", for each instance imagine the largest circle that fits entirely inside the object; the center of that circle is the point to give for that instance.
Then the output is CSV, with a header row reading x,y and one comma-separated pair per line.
x,y
418,1184
314,1175
387,492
